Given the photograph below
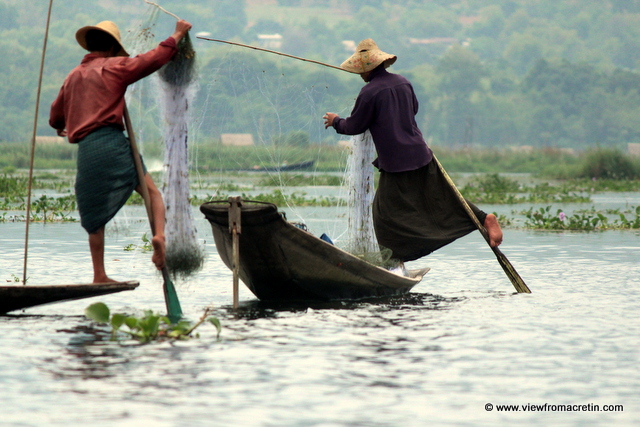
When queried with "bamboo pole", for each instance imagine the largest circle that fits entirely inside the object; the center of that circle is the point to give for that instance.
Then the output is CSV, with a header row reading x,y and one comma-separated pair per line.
x,y
33,146
509,270
274,52
161,8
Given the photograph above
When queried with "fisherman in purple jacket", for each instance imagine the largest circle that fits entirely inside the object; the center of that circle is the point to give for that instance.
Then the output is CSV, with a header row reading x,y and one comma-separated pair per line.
x,y
415,210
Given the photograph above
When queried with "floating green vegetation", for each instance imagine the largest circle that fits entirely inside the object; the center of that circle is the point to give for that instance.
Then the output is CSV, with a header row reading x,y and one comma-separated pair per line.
x,y
146,245
496,189
44,209
54,208
276,197
149,327
14,279
299,180
602,185
16,187
543,219
11,186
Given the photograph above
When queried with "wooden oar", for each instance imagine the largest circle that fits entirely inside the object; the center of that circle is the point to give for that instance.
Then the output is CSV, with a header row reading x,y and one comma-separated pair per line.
x,y
511,272
174,311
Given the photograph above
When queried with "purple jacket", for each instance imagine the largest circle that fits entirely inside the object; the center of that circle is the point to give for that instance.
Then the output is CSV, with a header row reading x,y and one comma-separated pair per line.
x,y
387,107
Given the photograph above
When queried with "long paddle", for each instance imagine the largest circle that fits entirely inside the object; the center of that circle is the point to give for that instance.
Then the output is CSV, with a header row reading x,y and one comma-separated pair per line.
x,y
511,272
174,311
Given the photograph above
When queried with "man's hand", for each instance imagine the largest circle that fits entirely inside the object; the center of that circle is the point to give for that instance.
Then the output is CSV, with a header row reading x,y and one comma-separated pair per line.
x,y
328,119
61,132
182,28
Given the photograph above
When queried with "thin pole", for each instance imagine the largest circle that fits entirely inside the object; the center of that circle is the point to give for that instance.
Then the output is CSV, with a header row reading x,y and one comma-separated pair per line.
x,y
161,8
510,271
274,52
33,145
235,228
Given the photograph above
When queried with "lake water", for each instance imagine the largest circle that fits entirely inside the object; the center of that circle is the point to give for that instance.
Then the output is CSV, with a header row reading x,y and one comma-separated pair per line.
x,y
460,342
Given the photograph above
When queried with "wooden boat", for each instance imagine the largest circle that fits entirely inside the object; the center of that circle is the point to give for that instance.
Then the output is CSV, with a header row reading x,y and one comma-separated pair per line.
x,y
17,297
280,261
288,168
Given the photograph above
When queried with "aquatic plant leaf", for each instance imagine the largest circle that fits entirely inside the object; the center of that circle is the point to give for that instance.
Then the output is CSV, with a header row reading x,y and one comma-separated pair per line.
x,y
117,320
151,325
98,312
132,322
215,322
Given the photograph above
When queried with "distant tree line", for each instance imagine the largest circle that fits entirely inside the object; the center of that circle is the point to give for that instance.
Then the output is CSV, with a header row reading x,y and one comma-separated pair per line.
x,y
507,72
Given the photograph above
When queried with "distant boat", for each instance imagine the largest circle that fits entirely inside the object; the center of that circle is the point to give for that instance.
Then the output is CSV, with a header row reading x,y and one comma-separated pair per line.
x,y
17,297
287,167
280,261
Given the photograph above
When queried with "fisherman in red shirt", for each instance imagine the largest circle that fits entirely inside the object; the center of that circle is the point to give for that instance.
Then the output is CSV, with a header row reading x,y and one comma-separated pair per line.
x,y
89,111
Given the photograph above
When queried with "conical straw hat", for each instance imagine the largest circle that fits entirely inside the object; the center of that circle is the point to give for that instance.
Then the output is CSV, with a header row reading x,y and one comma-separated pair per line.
x,y
105,26
367,57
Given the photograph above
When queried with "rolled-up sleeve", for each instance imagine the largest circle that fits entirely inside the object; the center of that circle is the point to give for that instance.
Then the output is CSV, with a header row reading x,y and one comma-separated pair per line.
x,y
56,114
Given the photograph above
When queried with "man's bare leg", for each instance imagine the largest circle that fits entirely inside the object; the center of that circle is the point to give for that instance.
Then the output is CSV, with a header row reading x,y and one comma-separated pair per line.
x,y
157,212
96,246
495,232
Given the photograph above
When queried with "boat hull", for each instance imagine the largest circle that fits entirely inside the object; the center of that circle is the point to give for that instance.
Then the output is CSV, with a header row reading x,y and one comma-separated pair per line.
x,y
19,297
280,261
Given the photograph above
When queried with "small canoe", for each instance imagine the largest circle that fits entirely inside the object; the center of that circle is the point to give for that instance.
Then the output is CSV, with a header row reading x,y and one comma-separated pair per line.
x,y
289,168
17,297
281,261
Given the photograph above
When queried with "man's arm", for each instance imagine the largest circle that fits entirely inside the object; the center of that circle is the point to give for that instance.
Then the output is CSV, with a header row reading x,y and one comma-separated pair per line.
x,y
133,69
56,115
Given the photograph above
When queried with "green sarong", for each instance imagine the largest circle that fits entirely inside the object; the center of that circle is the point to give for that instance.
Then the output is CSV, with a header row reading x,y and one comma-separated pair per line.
x,y
106,176
417,212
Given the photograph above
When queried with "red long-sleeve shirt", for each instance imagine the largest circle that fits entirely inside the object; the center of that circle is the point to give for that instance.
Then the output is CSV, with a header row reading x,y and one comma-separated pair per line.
x,y
92,95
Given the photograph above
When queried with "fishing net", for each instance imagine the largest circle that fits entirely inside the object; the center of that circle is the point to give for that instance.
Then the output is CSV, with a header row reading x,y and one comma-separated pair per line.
x,y
181,71
244,111
176,86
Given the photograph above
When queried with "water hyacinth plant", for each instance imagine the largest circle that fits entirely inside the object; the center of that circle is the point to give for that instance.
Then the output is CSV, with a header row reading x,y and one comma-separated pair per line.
x,y
496,189
544,219
146,245
150,326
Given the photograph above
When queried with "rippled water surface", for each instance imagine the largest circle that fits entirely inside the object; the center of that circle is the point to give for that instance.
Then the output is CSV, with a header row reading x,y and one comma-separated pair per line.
x,y
461,340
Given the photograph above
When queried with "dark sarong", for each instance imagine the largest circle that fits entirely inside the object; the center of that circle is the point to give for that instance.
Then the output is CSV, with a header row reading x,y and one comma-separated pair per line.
x,y
417,212
106,176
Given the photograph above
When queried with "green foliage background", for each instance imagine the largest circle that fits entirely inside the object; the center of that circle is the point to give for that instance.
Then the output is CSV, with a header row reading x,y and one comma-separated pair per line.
x,y
545,73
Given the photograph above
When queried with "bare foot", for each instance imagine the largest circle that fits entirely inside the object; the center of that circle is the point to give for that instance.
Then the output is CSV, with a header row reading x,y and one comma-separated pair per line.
x,y
103,279
494,230
159,251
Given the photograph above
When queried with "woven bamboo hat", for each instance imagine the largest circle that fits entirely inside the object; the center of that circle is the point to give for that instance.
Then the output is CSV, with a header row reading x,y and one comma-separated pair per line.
x,y
104,26
367,57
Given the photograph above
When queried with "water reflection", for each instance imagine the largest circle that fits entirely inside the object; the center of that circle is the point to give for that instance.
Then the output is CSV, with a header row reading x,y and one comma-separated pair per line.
x,y
256,309
89,354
